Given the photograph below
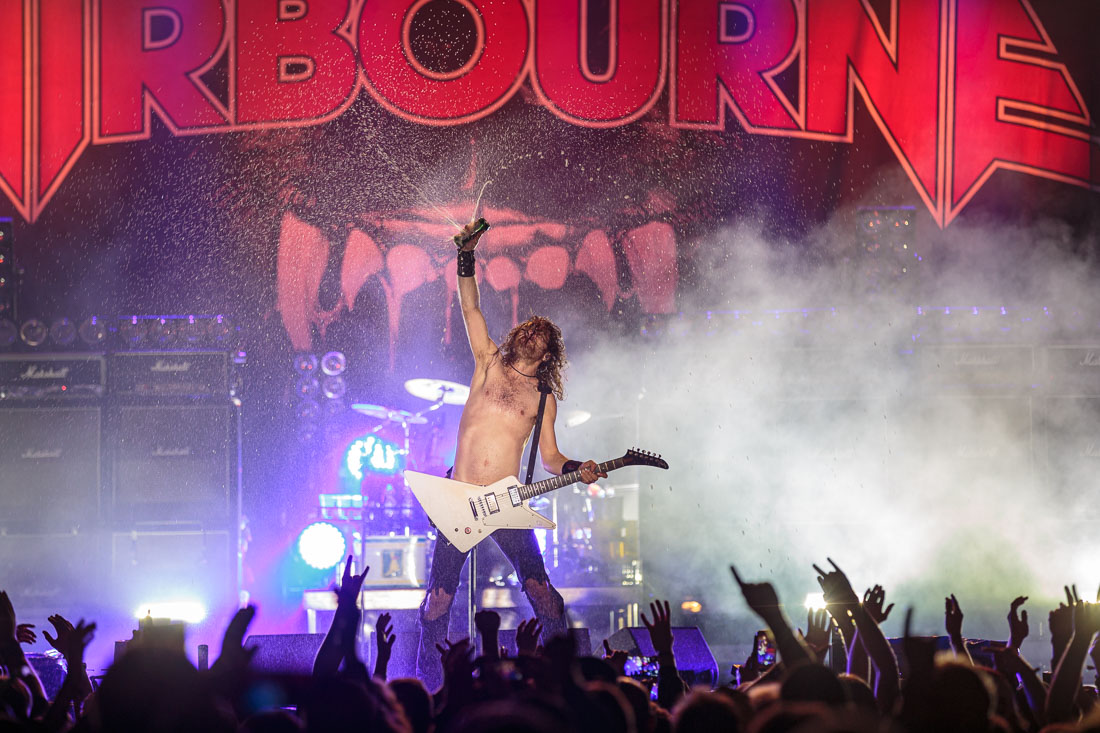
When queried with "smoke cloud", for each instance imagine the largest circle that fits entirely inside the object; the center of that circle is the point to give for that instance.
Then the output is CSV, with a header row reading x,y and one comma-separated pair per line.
x,y
917,430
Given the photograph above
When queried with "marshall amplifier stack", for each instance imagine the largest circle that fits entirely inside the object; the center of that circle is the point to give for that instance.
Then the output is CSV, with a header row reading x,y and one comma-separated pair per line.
x,y
121,471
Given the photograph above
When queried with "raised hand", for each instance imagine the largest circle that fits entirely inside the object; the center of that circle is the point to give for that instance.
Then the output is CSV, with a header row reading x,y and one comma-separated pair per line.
x,y
25,634
615,657
63,628
347,595
873,598
456,659
761,597
952,616
487,622
660,629
817,632
76,642
386,637
1017,623
383,631
836,587
470,243
527,637
234,656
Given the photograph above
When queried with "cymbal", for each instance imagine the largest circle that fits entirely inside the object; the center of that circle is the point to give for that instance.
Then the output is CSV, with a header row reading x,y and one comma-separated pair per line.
x,y
438,390
388,413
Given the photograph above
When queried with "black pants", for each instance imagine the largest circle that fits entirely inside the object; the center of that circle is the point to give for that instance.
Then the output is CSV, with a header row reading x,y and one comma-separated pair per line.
x,y
521,549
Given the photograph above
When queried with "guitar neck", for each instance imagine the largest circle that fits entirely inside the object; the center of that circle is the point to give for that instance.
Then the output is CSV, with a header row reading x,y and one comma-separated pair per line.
x,y
538,488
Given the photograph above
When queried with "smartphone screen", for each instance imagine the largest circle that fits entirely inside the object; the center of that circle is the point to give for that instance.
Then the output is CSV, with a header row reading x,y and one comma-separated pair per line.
x,y
641,668
765,650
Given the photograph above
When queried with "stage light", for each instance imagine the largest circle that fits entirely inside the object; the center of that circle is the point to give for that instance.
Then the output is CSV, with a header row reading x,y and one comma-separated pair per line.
x,y
62,332
305,363
334,387
371,454
191,612
815,601
93,331
334,363
691,606
8,333
34,332
321,545
576,418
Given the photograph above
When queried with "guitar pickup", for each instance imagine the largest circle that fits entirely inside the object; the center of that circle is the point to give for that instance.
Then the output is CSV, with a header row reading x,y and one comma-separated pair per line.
x,y
513,494
491,503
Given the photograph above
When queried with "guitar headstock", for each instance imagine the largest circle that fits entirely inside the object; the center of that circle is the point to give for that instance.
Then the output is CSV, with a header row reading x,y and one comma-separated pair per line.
x,y
635,457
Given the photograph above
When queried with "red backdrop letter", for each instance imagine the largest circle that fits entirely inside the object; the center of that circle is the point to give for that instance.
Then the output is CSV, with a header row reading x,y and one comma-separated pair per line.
x,y
637,57
406,88
291,65
895,65
995,78
726,53
138,70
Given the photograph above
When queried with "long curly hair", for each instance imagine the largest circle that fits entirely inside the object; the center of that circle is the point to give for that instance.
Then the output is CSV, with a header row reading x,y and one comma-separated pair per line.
x,y
549,371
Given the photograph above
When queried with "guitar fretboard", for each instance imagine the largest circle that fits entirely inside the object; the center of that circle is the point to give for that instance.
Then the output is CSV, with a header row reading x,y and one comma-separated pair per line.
x,y
530,491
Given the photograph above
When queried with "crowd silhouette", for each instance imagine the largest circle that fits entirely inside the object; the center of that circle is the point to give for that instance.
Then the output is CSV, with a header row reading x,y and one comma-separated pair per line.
x,y
547,688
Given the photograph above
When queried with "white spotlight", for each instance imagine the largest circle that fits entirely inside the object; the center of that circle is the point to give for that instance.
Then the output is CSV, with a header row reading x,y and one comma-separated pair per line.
x,y
190,612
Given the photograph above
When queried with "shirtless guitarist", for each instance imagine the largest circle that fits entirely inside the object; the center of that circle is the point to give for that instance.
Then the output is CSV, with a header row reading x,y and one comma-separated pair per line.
x,y
496,422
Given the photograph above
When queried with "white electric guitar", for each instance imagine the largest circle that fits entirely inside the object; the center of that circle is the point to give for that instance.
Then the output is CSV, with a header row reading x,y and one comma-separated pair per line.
x,y
467,513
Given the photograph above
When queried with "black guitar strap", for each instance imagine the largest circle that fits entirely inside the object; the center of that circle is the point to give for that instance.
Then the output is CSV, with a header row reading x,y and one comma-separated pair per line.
x,y
543,391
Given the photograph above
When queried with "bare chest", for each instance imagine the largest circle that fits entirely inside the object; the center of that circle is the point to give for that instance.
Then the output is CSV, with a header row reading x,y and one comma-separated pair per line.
x,y
510,395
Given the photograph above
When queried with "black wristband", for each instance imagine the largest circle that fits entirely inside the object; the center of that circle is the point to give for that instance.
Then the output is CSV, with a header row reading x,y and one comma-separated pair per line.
x,y
466,263
570,466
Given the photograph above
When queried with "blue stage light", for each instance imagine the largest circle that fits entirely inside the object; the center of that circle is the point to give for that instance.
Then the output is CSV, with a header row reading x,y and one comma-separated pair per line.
x,y
371,454
321,545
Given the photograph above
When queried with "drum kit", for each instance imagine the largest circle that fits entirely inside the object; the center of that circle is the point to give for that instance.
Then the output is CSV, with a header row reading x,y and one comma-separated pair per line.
x,y
575,552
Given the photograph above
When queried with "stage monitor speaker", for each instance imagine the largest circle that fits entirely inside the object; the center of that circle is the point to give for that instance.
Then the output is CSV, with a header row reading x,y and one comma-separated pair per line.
x,y
580,635
284,653
49,461
159,566
52,572
174,463
694,659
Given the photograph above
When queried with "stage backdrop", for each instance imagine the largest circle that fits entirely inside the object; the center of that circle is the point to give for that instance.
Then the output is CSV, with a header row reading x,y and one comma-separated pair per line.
x,y
300,165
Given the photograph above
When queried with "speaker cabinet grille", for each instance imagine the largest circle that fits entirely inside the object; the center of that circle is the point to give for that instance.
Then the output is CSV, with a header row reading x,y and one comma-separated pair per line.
x,y
49,466
174,463
52,572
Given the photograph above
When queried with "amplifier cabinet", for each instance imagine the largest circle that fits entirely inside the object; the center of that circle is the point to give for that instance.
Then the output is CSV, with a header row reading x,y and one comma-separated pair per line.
x,y
174,463
49,466
51,376
159,374
52,572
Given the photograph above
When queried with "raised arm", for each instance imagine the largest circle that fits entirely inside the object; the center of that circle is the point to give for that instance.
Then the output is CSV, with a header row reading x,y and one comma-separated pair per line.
x,y
838,590
469,298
